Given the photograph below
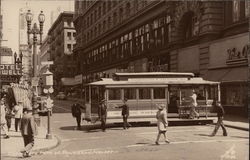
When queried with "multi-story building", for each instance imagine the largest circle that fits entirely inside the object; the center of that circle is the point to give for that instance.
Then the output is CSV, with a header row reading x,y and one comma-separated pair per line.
x,y
208,38
62,39
23,44
1,24
44,55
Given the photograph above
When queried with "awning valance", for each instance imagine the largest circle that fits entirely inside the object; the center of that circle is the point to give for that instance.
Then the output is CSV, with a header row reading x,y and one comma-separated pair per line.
x,y
239,74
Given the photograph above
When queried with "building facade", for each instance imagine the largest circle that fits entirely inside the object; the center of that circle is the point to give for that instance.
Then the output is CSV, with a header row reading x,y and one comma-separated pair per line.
x,y
207,38
62,40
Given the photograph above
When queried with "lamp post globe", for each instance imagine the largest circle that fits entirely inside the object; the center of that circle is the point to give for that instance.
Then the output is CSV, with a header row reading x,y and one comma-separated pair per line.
x,y
41,17
29,16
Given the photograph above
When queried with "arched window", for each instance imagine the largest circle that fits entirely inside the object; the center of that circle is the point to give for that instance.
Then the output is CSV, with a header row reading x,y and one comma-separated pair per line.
x,y
104,25
128,9
120,14
109,22
114,18
104,8
99,11
189,25
99,28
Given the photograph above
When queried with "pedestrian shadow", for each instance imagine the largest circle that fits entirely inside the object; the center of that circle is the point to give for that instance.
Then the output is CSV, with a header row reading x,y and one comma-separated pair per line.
x,y
240,137
205,135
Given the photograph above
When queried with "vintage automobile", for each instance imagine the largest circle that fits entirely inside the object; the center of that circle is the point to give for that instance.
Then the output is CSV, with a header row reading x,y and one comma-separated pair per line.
x,y
61,96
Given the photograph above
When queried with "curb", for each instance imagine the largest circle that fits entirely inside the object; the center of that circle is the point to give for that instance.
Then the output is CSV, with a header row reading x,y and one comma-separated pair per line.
x,y
38,151
237,127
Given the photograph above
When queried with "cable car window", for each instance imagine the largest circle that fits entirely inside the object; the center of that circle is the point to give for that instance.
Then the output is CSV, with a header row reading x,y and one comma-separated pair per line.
x,y
114,94
130,93
144,93
159,93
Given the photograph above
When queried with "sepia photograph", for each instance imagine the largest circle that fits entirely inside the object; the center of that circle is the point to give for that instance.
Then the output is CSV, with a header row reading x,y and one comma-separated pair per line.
x,y
124,79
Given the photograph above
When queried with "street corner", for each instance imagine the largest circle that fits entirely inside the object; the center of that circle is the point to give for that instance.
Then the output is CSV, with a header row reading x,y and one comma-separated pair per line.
x,y
10,148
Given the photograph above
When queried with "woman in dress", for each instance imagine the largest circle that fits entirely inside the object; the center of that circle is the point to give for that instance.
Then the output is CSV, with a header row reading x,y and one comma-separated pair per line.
x,y
162,123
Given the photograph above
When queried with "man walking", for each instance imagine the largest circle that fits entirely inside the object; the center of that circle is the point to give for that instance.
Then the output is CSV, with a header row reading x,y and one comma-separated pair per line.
x,y
28,131
125,114
102,112
220,113
76,112
193,104
3,120
18,111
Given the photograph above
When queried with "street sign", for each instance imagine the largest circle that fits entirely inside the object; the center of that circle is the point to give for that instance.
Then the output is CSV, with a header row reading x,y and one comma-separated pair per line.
x,y
35,81
49,103
47,62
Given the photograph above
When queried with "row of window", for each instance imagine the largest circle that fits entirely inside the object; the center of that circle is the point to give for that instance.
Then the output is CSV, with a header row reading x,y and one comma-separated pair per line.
x,y
151,35
116,17
134,93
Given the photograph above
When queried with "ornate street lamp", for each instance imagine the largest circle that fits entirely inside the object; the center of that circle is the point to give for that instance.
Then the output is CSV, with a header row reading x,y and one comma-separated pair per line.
x,y
18,63
49,103
34,30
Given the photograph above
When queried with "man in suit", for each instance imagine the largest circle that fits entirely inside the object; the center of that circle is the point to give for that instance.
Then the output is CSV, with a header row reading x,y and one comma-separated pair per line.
x,y
28,131
18,111
102,112
77,112
125,114
220,114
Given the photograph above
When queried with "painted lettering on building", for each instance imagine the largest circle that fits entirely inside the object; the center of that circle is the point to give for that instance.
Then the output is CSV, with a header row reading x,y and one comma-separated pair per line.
x,y
237,55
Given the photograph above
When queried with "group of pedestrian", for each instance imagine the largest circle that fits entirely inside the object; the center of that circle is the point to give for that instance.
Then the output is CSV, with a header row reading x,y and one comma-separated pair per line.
x,y
24,122
161,116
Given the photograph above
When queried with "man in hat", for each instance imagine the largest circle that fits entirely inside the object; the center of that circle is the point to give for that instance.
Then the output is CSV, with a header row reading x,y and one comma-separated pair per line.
x,y
77,112
220,114
102,112
125,114
28,131
18,111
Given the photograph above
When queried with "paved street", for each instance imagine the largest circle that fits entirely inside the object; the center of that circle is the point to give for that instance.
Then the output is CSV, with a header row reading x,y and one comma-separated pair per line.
x,y
187,142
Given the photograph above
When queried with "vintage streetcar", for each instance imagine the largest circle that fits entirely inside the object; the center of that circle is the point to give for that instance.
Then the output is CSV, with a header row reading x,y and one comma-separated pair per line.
x,y
145,90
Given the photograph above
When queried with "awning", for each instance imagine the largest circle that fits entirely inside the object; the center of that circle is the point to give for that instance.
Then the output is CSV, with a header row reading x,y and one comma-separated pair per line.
x,y
239,74
68,81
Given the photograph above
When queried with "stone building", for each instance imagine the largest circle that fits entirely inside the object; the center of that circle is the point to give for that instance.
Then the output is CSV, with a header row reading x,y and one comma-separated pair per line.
x,y
61,40
207,38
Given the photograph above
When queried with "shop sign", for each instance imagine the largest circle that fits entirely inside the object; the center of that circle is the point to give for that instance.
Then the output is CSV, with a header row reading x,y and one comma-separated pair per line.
x,y
237,55
78,79
10,69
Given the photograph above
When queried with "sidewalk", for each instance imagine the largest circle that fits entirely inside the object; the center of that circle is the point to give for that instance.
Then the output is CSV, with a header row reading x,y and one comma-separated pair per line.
x,y
11,147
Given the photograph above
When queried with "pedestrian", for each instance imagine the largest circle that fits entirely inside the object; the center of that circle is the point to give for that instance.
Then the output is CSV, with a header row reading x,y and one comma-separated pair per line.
x,y
162,122
102,112
220,114
18,113
76,112
28,130
3,119
125,114
8,117
193,105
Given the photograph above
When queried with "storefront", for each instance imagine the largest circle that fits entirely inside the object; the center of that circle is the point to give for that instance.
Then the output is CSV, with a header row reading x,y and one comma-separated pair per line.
x,y
228,64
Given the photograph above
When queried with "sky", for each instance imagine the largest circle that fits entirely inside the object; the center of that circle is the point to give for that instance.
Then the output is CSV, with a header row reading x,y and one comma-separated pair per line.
x,y
10,12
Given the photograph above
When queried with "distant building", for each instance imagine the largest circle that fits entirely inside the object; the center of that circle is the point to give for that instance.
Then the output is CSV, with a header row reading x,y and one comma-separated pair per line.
x,y
62,40
44,55
1,24
6,55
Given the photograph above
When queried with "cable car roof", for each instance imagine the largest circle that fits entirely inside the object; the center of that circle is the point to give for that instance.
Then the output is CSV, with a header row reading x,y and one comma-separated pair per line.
x,y
154,81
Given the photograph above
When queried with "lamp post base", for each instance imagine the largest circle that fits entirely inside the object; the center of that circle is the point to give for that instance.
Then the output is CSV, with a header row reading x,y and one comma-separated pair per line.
x,y
48,136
